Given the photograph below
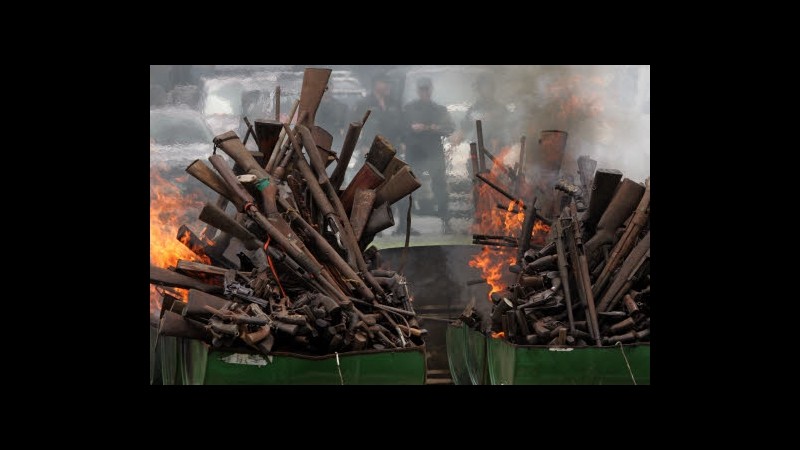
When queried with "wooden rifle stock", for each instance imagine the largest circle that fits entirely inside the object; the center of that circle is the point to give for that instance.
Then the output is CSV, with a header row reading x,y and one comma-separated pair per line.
x,y
315,82
348,146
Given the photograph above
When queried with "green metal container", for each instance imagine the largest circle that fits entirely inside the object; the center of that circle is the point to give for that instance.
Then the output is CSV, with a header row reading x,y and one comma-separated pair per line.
x,y
466,354
155,363
535,364
202,364
477,364
169,354
456,336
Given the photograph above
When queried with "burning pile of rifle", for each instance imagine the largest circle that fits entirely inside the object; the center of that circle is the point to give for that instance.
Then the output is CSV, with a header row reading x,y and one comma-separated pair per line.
x,y
314,286
590,283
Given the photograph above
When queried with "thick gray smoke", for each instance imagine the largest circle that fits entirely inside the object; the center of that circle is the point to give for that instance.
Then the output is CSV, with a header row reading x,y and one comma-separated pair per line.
x,y
605,110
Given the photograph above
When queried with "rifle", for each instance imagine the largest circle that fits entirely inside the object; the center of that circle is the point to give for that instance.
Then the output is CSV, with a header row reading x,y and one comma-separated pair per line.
x,y
625,244
212,215
341,215
280,145
564,273
622,205
315,82
349,144
581,269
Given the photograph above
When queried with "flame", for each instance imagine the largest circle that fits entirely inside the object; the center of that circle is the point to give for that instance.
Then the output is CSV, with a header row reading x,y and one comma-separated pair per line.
x,y
540,232
491,220
157,298
180,293
184,294
198,250
155,301
540,227
492,263
499,335
169,208
578,96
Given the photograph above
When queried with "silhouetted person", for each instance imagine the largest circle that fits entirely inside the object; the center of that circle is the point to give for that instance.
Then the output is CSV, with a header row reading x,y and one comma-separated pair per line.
x,y
426,122
493,115
180,76
385,118
332,115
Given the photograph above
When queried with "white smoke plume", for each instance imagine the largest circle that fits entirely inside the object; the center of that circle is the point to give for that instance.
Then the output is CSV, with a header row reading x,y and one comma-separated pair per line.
x,y
605,110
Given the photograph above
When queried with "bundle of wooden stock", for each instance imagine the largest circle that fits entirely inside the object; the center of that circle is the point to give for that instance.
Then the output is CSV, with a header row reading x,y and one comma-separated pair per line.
x,y
314,285
590,283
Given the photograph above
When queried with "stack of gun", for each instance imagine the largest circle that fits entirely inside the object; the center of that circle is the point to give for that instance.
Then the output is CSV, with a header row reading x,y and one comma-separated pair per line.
x,y
307,280
590,284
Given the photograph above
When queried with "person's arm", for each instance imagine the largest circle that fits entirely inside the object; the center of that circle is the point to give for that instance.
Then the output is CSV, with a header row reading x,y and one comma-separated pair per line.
x,y
412,124
404,128
444,124
368,130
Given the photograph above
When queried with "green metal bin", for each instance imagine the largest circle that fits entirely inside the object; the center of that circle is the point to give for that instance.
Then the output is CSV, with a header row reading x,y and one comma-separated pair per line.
x,y
535,364
456,336
202,364
466,354
477,363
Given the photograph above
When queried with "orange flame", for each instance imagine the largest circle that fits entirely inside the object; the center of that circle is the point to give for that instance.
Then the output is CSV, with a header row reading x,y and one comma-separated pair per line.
x,y
492,263
539,233
155,301
491,220
169,208
184,294
499,335
180,293
578,96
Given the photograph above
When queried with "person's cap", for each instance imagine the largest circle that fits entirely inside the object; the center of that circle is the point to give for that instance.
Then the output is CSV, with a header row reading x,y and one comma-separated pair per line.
x,y
382,77
424,82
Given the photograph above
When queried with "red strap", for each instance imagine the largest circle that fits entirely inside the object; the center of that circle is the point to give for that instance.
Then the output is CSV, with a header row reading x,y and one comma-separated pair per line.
x,y
271,266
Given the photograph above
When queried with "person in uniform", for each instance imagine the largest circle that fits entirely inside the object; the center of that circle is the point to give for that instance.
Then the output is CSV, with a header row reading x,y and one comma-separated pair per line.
x,y
332,116
426,123
385,118
493,115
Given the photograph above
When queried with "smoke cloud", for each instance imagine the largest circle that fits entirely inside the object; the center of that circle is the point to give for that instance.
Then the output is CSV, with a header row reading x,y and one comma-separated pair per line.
x,y
605,109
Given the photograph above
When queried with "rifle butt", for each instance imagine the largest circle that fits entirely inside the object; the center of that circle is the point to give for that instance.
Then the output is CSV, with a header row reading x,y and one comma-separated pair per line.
x,y
403,183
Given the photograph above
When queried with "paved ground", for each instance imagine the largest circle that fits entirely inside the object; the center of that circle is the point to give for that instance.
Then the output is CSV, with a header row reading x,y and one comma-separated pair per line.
x,y
430,229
